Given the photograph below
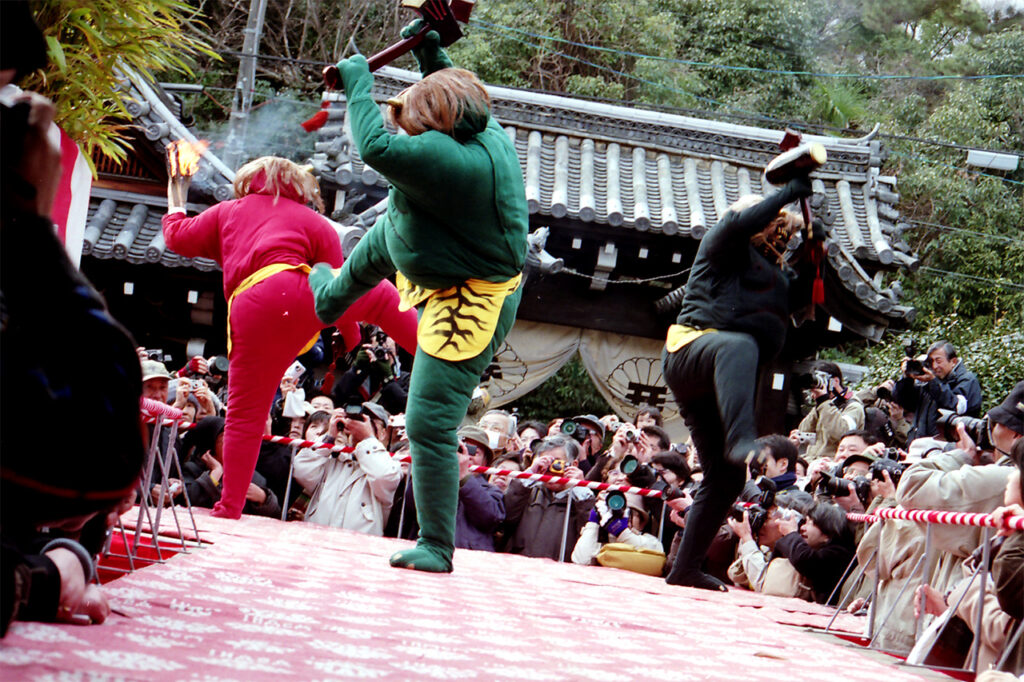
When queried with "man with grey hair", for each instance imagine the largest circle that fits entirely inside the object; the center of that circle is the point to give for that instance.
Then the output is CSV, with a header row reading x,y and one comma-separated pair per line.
x,y
535,512
942,382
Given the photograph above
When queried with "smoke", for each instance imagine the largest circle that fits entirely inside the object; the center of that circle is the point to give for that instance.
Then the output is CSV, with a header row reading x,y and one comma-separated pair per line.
x,y
273,129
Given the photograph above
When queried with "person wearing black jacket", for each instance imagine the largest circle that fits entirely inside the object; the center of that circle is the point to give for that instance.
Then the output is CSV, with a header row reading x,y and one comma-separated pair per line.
x,y
943,383
733,321
821,550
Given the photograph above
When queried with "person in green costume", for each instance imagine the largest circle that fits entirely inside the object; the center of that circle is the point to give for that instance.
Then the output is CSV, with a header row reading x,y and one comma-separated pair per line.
x,y
454,237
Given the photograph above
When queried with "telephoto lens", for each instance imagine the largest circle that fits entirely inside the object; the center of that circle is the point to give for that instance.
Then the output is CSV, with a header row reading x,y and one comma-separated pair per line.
x,y
616,501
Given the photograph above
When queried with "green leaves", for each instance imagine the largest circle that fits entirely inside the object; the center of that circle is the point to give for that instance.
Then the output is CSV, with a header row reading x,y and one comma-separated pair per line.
x,y
88,42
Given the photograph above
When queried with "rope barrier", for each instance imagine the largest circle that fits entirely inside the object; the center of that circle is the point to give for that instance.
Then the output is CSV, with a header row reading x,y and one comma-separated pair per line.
x,y
918,515
155,407
546,478
944,518
951,518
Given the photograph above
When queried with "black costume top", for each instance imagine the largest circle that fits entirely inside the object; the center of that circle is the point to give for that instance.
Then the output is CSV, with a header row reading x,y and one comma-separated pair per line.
x,y
733,287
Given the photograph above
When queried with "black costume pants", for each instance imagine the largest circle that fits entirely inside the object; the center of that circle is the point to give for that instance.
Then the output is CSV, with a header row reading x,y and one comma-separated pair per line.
x,y
713,379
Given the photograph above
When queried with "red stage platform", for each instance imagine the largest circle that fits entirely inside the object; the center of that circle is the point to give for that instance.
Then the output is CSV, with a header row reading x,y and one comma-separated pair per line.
x,y
267,600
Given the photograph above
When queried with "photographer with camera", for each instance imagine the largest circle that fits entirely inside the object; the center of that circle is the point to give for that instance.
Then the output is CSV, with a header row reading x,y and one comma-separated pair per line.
x,y
481,507
776,460
619,518
352,490
938,381
820,549
961,479
375,374
836,410
756,565
588,431
535,512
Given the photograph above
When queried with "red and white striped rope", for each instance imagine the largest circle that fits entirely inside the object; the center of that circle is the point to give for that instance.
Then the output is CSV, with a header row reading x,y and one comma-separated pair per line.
x,y
547,478
862,518
951,518
155,407
939,517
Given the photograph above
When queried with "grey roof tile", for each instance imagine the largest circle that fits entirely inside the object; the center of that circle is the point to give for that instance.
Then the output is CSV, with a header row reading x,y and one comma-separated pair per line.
x,y
657,172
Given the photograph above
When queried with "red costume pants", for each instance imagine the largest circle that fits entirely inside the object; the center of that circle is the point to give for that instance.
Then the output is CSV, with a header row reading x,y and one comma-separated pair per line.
x,y
270,324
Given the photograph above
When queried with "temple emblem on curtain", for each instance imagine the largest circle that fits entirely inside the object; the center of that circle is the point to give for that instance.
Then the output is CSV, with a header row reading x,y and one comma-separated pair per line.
x,y
638,381
506,372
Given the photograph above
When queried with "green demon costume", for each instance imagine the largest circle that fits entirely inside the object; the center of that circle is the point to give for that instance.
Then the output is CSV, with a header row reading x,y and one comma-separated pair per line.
x,y
454,236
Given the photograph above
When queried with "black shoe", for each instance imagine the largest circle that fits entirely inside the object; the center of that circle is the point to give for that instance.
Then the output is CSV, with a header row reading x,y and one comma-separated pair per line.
x,y
697,579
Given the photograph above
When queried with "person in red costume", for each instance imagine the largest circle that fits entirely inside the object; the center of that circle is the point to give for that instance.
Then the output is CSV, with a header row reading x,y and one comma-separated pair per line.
x,y
265,241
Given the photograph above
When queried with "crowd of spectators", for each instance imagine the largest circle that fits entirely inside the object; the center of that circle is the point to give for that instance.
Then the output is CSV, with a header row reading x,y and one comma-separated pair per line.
x,y
788,534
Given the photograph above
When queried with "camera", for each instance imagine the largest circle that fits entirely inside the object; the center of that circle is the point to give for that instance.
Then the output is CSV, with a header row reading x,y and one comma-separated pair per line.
x,y
757,509
354,411
806,437
840,487
575,430
917,366
632,434
890,464
639,475
616,501
557,467
977,429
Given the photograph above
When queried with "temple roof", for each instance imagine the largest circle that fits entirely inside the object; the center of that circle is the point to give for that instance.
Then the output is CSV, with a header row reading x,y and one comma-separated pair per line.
x,y
603,169
657,173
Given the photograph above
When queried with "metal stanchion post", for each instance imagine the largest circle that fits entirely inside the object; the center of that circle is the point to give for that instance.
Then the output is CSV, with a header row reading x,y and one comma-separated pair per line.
x,y
860,572
986,556
565,525
896,601
873,607
288,486
925,581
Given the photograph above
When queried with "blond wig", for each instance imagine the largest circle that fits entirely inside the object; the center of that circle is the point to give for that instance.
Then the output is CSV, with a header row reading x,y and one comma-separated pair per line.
x,y
277,177
439,102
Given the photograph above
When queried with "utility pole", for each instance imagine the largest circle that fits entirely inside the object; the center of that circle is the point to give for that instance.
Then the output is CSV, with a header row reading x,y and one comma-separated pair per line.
x,y
241,103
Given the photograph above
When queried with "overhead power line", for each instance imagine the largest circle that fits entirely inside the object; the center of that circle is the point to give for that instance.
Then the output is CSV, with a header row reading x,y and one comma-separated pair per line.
x,y
962,230
711,65
987,280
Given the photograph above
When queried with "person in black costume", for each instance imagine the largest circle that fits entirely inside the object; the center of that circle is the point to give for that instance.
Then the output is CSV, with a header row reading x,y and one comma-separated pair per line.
x,y
733,321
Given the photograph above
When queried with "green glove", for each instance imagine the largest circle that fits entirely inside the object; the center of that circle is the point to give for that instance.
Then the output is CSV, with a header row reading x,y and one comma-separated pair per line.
x,y
383,370
362,361
429,54
354,72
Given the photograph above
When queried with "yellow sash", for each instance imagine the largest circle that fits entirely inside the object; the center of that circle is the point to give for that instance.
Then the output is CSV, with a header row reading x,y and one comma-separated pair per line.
x,y
457,323
257,277
679,335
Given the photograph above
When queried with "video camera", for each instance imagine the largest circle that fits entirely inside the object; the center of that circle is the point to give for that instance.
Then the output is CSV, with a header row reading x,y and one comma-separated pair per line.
x,y
757,509
977,429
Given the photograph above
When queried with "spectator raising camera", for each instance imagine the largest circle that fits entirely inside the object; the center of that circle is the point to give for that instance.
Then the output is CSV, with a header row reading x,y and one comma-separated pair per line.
x,y
836,411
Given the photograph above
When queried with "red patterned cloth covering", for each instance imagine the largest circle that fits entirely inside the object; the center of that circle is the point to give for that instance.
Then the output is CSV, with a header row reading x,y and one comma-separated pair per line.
x,y
266,600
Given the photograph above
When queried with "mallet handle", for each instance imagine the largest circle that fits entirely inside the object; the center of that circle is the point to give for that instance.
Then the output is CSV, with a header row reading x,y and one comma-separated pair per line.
x,y
393,52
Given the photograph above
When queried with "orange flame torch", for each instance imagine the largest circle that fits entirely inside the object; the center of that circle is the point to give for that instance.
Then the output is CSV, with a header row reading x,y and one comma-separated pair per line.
x,y
182,163
183,157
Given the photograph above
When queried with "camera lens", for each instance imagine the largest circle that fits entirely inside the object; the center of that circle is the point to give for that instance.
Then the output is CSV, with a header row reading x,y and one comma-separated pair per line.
x,y
616,500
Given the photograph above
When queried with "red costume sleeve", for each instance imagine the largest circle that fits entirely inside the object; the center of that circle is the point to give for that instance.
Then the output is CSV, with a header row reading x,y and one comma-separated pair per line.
x,y
196,237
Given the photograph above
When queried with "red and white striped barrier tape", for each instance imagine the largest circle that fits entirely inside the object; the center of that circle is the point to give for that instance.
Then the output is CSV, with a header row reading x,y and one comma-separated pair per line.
x,y
940,517
155,407
547,478
951,518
